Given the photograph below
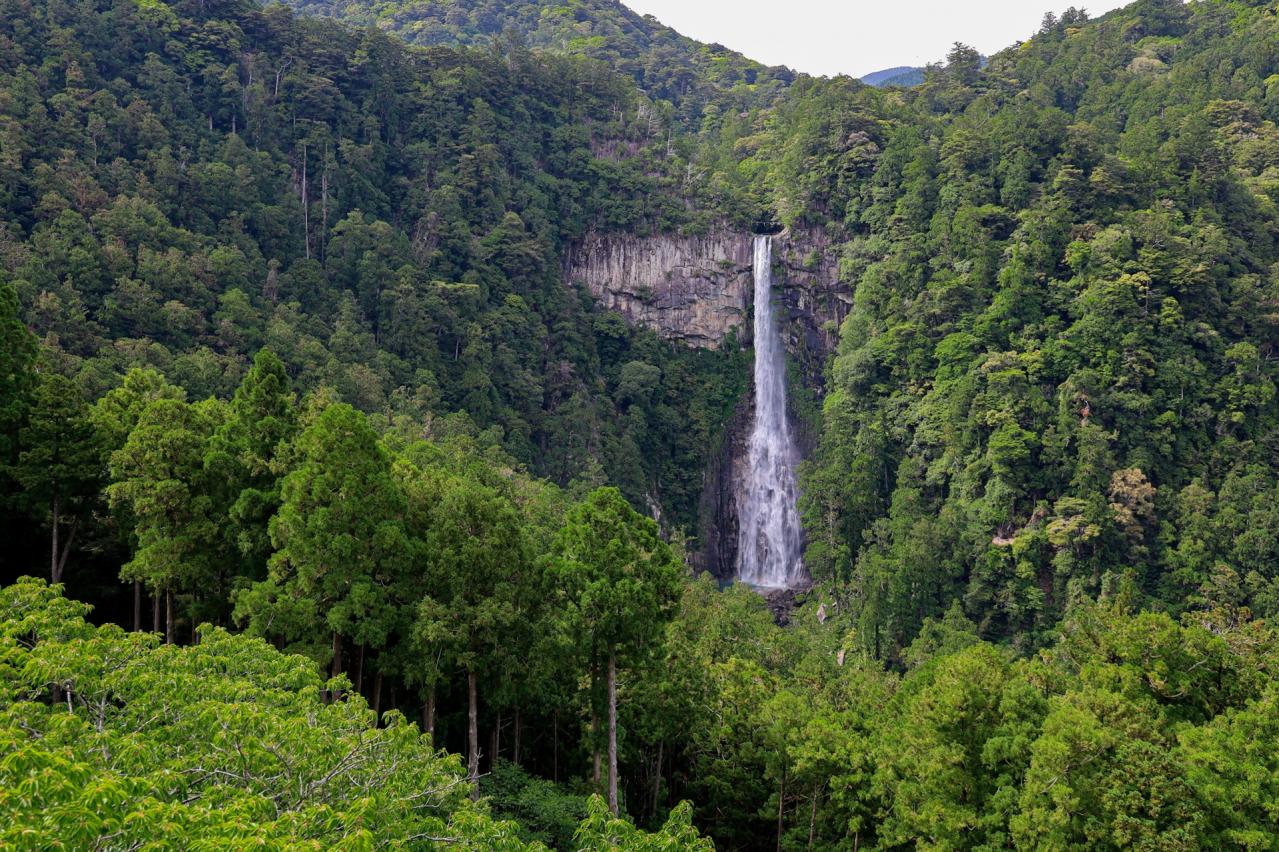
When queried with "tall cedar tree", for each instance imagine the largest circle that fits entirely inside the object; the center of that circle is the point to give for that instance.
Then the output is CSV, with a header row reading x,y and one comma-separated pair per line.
x,y
158,475
621,583
481,583
262,419
340,543
59,467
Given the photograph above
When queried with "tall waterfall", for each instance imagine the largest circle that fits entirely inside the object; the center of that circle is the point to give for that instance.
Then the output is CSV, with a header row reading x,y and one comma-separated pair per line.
x,y
770,543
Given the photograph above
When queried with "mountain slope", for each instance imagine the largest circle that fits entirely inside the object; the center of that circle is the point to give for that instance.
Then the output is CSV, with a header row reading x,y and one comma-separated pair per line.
x,y
1058,377
665,64
198,183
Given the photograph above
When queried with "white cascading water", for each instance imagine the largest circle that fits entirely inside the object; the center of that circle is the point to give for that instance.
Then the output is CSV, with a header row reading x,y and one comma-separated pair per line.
x,y
770,540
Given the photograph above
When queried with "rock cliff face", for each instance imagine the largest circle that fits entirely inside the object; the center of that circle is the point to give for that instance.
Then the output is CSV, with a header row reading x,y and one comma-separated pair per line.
x,y
690,289
698,289
721,487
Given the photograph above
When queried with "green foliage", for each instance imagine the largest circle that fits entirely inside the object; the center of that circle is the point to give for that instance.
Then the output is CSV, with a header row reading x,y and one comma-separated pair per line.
x,y
246,455
602,830
1054,346
220,743
618,578
158,479
542,809
1103,740
617,584
480,577
17,378
340,543
59,467
671,69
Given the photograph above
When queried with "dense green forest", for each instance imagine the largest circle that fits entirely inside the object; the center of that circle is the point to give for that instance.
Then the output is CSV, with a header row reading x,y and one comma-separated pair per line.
x,y
344,502
1059,371
682,76
183,191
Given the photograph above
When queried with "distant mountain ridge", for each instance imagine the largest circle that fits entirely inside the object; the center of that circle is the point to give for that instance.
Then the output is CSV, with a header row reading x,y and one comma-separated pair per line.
x,y
901,75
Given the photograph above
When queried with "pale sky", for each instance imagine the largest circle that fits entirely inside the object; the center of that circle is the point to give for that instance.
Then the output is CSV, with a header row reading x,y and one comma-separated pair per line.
x,y
857,37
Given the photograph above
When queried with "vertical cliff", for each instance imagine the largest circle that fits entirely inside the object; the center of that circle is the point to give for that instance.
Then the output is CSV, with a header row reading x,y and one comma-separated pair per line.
x,y
814,301
695,289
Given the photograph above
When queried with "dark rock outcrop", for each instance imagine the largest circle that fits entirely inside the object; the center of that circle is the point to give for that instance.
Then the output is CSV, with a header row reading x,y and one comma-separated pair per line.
x,y
815,301
721,486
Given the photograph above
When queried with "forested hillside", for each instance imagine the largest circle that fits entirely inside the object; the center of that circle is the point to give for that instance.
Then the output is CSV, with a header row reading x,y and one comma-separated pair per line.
x,y
365,528
184,187
1059,371
681,75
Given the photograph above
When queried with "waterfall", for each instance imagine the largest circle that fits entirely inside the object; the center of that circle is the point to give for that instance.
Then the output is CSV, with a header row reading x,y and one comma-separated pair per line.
x,y
770,542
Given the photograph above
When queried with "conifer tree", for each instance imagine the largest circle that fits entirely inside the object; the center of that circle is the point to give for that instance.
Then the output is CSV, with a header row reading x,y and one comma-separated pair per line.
x,y
59,467
244,456
158,475
480,582
340,544
621,583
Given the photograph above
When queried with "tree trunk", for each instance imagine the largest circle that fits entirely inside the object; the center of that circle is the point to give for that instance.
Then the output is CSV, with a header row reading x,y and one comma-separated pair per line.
x,y
65,548
55,570
324,204
472,736
306,218
812,818
359,673
336,668
137,607
595,749
515,753
428,712
612,733
155,613
168,616
781,801
555,746
497,740
657,781
377,695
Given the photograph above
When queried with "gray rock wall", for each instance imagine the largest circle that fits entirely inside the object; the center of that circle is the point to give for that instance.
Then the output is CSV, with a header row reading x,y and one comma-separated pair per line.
x,y
696,289
690,289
